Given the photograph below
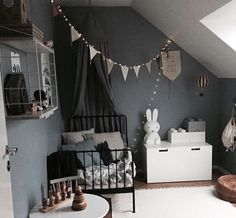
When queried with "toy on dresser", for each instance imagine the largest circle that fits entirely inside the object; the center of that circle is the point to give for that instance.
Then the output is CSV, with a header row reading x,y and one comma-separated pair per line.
x,y
152,127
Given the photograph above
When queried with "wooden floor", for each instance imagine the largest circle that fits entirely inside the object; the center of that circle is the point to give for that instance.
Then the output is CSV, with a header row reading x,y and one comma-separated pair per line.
x,y
140,182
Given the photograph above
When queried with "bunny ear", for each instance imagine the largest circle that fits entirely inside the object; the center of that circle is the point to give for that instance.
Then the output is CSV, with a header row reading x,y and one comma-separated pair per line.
x,y
155,114
148,114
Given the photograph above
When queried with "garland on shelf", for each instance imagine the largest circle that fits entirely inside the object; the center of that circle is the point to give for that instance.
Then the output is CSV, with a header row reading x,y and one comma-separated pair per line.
x,y
110,63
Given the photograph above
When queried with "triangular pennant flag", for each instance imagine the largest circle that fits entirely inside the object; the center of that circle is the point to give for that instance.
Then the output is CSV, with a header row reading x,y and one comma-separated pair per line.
x,y
124,71
148,65
93,52
136,70
74,34
110,65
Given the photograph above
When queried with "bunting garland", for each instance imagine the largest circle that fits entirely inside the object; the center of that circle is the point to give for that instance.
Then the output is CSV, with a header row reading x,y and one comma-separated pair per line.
x,y
92,51
110,65
124,70
148,65
136,70
75,35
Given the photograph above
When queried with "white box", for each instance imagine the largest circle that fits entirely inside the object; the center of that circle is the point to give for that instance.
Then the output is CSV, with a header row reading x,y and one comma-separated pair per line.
x,y
186,137
195,126
169,162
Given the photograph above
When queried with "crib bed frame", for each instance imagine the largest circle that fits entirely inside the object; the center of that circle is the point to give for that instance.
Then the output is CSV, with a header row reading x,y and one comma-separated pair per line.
x,y
106,123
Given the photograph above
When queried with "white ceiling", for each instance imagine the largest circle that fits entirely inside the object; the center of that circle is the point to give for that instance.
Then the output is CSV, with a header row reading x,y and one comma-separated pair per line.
x,y
180,21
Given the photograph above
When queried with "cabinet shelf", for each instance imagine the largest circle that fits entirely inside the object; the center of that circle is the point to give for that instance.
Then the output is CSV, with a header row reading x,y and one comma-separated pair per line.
x,y
26,44
39,115
28,71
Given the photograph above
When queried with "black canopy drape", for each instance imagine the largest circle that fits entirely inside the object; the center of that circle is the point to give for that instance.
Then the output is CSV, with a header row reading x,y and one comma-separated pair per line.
x,y
92,90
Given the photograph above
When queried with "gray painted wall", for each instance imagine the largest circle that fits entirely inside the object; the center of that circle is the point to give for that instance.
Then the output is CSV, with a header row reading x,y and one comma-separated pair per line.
x,y
133,40
34,138
227,94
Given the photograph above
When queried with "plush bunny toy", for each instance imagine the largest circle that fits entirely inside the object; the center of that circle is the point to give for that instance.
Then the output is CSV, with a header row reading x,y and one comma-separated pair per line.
x,y
152,127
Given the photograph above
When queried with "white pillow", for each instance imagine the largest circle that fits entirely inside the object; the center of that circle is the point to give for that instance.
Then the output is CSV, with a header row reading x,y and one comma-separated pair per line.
x,y
113,139
75,137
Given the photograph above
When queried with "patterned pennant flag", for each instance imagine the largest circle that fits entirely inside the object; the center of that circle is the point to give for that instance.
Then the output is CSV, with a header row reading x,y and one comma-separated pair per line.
x,y
110,65
136,70
124,71
93,52
148,65
74,34
171,64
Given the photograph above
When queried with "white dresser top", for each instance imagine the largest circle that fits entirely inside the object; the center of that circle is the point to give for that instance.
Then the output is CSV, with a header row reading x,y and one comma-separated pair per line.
x,y
167,144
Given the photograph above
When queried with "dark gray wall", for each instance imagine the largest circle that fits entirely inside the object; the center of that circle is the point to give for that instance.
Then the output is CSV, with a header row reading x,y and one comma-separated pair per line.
x,y
133,40
34,138
227,94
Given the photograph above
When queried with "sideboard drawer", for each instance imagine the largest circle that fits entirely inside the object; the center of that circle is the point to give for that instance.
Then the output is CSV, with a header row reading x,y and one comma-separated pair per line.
x,y
178,163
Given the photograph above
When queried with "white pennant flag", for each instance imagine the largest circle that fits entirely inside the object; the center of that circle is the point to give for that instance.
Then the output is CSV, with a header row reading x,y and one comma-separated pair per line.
x,y
74,34
124,71
110,65
93,52
148,65
136,70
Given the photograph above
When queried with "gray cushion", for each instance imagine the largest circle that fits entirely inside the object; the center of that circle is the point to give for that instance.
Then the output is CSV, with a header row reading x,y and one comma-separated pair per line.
x,y
87,145
75,137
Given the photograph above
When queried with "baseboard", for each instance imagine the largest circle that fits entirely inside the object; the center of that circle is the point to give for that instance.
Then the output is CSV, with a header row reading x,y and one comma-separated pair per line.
x,y
221,169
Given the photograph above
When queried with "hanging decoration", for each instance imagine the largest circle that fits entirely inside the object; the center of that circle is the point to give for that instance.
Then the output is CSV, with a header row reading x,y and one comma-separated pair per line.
x,y
171,64
92,51
148,65
110,65
201,81
74,35
136,70
124,68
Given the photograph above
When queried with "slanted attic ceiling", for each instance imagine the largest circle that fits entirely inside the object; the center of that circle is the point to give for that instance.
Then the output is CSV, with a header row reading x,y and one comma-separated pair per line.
x,y
180,21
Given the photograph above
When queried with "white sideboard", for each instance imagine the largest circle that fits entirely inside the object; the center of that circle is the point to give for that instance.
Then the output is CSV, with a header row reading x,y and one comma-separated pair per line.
x,y
172,162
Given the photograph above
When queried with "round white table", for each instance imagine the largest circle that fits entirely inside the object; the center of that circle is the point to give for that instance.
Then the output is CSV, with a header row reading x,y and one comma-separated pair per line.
x,y
97,207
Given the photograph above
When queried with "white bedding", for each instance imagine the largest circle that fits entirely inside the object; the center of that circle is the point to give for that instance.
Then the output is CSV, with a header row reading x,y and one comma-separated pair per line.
x,y
124,170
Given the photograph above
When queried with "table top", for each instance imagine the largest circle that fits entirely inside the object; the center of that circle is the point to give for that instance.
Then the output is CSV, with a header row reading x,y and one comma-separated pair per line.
x,y
97,207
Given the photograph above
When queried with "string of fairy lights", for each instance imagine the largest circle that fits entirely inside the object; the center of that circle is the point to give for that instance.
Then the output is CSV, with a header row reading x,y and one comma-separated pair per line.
x,y
124,68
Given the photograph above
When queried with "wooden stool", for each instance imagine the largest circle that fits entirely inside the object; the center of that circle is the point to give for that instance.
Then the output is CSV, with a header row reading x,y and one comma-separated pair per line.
x,y
226,188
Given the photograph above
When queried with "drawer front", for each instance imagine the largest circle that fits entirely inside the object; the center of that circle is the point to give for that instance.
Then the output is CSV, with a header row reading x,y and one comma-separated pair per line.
x,y
179,164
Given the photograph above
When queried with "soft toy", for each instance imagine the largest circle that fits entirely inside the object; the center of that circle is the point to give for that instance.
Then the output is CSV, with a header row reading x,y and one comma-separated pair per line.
x,y
152,127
